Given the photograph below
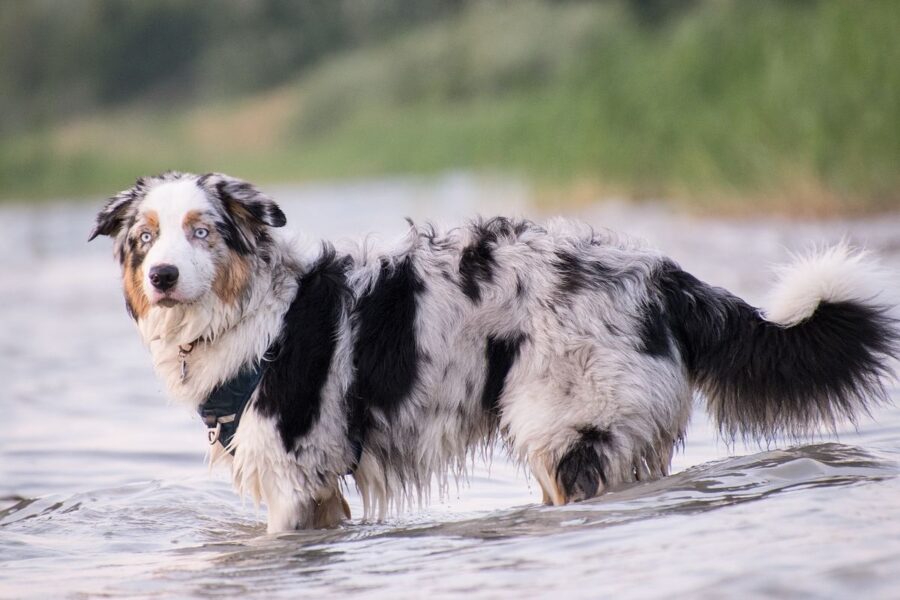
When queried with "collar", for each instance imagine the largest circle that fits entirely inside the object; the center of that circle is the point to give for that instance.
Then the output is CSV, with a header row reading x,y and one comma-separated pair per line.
x,y
222,409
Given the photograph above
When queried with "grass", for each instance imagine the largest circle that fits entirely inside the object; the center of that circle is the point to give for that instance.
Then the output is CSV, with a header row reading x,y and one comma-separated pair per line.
x,y
776,106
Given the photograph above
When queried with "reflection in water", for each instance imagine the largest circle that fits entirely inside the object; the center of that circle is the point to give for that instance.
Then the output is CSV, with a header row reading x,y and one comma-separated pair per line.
x,y
103,489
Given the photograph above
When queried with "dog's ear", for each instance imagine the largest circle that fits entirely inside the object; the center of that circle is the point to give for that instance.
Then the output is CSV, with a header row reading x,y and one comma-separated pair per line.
x,y
111,218
243,202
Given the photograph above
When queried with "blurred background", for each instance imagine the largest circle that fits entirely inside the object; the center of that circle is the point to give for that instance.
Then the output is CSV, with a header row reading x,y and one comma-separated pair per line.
x,y
720,131
786,106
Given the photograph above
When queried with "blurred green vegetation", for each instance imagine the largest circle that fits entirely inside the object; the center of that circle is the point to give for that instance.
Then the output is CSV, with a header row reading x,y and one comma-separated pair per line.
x,y
722,104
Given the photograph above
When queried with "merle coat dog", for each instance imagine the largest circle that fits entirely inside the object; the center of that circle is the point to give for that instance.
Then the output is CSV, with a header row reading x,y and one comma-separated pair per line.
x,y
580,350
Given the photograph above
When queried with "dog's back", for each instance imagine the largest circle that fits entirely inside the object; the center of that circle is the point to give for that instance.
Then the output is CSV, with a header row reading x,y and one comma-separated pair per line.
x,y
549,336
583,350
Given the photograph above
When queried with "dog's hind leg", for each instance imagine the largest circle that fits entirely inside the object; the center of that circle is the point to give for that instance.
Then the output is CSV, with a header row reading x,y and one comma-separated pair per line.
x,y
579,474
582,471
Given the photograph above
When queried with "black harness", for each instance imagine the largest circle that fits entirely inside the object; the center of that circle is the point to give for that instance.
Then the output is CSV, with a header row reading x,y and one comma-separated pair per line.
x,y
222,410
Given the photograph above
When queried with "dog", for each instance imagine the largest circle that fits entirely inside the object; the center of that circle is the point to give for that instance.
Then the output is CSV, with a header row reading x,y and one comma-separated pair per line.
x,y
580,350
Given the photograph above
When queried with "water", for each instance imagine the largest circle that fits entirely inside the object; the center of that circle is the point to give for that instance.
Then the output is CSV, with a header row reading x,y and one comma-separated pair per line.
x,y
104,491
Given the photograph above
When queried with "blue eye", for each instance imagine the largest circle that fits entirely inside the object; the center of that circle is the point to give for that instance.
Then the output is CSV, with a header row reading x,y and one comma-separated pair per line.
x,y
201,233
146,237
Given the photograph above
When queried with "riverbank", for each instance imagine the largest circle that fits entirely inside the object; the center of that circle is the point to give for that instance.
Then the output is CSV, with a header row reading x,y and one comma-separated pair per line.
x,y
787,108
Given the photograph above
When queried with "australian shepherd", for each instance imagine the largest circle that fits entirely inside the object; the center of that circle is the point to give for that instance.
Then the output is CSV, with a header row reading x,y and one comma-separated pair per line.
x,y
580,350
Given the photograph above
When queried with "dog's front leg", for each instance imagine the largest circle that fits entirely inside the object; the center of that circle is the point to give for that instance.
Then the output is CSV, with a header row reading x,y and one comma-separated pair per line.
x,y
296,494
289,512
285,512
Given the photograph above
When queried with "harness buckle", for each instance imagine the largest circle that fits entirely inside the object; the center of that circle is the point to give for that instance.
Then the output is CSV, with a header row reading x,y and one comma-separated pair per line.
x,y
213,433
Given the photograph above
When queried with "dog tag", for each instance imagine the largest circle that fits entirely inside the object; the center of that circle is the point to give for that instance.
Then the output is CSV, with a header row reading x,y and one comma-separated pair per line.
x,y
182,354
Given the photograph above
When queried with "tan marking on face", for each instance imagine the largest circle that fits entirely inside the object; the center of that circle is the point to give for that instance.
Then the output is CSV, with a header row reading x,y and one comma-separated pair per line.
x,y
192,220
133,274
134,290
232,276
151,220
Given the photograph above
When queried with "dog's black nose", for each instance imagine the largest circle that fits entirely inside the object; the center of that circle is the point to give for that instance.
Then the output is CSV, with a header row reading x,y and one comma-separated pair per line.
x,y
164,277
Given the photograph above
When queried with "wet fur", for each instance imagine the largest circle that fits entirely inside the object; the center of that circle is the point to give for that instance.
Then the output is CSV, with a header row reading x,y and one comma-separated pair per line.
x,y
579,349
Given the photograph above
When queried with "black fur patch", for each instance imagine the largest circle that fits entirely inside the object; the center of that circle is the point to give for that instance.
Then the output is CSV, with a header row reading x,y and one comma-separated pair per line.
x,y
118,212
763,379
476,265
291,388
577,274
582,469
385,353
232,235
477,262
242,236
500,353
573,272
247,212
654,331
257,204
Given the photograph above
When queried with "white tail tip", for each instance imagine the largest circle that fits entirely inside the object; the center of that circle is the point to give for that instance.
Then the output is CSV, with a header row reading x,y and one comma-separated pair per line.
x,y
836,274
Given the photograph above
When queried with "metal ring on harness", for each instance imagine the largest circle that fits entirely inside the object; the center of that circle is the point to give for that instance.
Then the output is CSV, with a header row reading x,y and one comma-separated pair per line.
x,y
213,434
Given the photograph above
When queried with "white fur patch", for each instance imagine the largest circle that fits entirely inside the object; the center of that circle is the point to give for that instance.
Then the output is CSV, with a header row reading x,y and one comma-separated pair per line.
x,y
836,274
172,201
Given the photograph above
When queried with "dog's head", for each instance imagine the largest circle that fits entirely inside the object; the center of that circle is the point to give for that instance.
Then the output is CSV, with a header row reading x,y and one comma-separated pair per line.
x,y
181,237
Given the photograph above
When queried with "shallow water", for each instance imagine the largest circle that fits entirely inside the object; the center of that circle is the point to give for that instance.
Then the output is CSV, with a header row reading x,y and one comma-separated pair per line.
x,y
104,491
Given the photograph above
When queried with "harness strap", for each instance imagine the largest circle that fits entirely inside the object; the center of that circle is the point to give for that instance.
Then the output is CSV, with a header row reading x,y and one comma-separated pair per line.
x,y
222,410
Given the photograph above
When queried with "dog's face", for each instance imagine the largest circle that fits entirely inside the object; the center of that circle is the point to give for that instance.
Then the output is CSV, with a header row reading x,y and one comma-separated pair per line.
x,y
181,237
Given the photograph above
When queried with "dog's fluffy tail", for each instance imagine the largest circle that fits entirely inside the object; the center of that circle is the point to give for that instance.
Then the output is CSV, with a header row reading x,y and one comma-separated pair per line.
x,y
819,354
